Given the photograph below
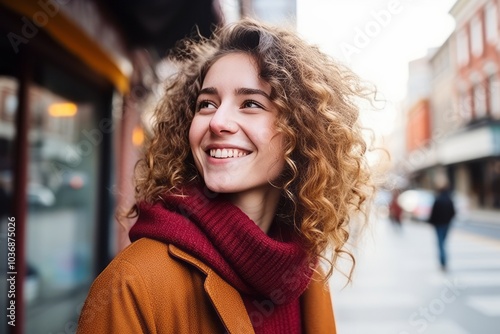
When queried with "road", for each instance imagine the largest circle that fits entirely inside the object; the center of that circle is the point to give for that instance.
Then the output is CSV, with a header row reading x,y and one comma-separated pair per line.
x,y
398,287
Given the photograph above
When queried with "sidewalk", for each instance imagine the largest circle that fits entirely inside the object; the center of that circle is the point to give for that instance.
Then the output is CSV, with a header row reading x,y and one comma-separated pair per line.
x,y
398,287
482,216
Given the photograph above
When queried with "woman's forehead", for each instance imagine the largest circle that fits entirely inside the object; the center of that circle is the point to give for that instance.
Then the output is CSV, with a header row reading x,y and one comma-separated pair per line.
x,y
236,68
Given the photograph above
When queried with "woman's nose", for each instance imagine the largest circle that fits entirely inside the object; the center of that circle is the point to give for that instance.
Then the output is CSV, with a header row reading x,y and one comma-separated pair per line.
x,y
223,121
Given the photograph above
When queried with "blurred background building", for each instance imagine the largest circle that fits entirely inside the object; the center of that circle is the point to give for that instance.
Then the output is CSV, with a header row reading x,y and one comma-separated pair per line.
x,y
453,109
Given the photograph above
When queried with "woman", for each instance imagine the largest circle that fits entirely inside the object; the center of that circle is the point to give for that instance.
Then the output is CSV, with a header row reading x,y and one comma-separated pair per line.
x,y
256,163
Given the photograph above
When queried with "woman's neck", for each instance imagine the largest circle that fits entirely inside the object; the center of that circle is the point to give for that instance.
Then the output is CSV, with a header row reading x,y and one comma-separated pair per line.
x,y
260,206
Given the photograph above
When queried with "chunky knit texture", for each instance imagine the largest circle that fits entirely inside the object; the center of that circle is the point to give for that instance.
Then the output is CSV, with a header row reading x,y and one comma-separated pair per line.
x,y
271,274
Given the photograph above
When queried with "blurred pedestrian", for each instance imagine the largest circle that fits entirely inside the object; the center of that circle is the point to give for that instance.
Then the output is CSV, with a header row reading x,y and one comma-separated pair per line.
x,y
442,213
495,186
395,210
256,164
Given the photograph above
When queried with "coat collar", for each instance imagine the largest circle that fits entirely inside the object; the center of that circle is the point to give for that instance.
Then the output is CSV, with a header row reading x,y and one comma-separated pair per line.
x,y
316,305
225,298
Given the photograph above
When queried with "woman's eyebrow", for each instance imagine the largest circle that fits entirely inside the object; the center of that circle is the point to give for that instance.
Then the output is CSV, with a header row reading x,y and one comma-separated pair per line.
x,y
238,91
252,91
209,91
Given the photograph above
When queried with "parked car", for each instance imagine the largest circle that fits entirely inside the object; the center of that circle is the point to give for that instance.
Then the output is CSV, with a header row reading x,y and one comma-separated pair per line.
x,y
417,203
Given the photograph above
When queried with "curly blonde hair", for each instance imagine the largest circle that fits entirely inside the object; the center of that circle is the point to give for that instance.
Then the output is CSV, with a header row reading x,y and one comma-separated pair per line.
x,y
326,177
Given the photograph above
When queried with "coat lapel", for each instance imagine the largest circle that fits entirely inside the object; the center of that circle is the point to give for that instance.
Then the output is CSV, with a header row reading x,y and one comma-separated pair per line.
x,y
226,300
316,305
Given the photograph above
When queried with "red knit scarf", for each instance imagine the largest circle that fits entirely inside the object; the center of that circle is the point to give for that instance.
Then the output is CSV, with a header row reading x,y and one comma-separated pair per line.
x,y
270,272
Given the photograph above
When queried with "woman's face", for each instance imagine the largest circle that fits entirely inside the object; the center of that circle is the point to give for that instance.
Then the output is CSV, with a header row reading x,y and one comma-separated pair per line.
x,y
233,136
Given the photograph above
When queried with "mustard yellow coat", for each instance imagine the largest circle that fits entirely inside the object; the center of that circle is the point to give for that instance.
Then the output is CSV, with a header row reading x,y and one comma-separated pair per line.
x,y
151,287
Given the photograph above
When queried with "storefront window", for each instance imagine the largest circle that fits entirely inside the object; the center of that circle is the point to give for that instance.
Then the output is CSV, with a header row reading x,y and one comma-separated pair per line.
x,y
56,145
64,150
65,142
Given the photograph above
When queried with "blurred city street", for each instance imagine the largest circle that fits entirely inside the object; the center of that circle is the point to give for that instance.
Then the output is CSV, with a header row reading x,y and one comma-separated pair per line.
x,y
79,85
399,288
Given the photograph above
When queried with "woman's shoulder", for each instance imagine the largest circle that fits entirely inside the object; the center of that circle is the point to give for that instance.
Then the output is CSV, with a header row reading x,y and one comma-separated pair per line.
x,y
144,251
147,267
148,258
138,262
143,282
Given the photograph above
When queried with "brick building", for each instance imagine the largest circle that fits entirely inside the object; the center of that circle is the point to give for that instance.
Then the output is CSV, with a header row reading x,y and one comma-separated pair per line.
x,y
463,138
472,152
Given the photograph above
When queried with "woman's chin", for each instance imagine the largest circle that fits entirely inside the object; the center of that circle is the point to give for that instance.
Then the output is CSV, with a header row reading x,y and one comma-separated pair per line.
x,y
217,187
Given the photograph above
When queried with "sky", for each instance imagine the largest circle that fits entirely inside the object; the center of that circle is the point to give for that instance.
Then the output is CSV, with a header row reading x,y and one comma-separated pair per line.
x,y
377,39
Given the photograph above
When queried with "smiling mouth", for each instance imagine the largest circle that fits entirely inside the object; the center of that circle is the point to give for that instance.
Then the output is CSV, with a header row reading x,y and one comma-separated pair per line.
x,y
226,153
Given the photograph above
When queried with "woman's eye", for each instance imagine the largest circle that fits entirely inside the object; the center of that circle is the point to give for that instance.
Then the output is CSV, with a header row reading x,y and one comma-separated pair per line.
x,y
206,105
252,104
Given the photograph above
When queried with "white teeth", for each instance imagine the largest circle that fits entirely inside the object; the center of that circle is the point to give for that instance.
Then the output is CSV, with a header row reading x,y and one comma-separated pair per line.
x,y
227,153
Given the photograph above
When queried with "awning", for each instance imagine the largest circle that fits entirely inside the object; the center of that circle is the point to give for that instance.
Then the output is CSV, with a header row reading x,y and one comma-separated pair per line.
x,y
76,41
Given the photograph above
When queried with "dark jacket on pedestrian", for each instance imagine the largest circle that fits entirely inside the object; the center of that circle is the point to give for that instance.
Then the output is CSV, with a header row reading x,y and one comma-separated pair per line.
x,y
443,209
